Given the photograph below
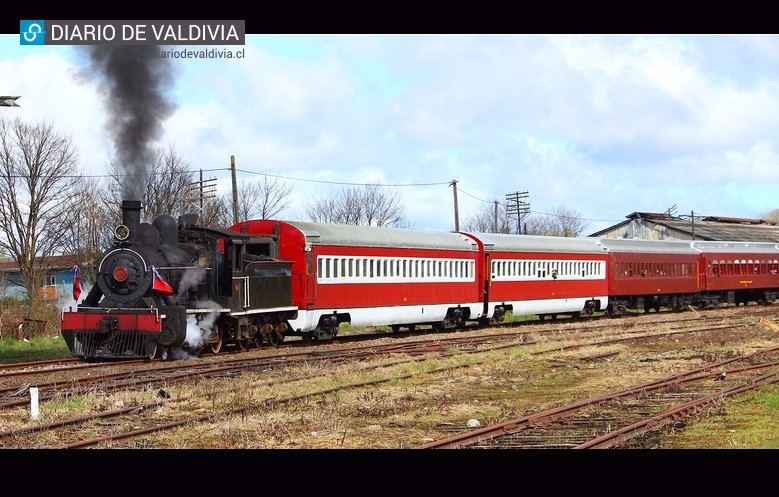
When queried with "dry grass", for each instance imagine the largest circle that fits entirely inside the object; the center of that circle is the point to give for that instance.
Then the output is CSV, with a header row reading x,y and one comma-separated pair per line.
x,y
414,402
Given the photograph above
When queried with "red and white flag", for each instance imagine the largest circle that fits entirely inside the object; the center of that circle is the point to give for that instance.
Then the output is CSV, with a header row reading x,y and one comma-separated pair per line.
x,y
160,284
76,282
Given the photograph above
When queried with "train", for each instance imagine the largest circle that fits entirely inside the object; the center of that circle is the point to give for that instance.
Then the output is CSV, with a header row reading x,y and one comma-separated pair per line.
x,y
172,285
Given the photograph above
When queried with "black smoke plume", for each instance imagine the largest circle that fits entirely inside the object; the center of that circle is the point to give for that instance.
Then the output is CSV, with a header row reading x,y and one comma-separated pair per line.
x,y
134,81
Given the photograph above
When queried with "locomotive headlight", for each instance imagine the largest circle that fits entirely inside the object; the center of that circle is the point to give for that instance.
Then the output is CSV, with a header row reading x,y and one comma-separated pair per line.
x,y
122,232
120,273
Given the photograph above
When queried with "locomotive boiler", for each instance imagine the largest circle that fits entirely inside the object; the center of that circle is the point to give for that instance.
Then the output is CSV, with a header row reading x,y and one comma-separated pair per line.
x,y
170,285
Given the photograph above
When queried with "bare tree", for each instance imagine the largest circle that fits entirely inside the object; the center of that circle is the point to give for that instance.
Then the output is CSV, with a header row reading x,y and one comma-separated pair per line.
x,y
370,205
382,207
483,221
36,196
166,189
92,231
562,221
322,209
263,199
218,212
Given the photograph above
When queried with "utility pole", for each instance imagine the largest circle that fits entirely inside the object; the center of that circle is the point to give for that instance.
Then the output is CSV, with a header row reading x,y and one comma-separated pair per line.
x,y
495,218
692,222
456,208
515,204
235,190
199,191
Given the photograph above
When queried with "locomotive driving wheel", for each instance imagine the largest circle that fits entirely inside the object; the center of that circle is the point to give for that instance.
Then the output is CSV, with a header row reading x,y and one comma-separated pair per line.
x,y
277,334
216,339
265,334
242,343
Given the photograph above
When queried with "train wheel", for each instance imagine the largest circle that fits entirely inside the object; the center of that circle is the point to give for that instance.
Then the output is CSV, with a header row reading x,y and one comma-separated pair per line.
x,y
280,329
266,333
242,343
151,353
395,328
274,339
216,340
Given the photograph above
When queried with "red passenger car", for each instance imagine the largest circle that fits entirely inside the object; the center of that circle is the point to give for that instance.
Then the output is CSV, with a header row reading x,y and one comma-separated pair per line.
x,y
648,274
739,272
366,275
542,275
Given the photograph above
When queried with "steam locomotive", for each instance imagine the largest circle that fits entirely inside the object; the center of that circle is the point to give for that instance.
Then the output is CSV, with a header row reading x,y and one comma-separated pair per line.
x,y
171,285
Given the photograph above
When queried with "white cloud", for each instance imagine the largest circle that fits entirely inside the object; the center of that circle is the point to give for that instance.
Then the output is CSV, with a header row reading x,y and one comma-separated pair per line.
x,y
606,125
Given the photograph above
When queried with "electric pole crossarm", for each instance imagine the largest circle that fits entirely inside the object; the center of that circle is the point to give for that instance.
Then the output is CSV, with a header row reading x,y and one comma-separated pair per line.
x,y
516,205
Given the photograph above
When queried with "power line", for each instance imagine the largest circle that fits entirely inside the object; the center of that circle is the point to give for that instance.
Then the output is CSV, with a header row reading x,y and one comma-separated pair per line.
x,y
308,180
581,218
460,190
346,183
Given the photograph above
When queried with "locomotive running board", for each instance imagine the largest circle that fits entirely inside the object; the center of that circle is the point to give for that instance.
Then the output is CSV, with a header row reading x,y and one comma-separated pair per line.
x,y
265,311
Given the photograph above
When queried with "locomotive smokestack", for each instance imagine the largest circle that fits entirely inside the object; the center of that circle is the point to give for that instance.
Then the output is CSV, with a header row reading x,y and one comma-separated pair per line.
x,y
131,217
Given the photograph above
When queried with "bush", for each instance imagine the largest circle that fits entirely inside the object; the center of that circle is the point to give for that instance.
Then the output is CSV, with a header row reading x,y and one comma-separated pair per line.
x,y
18,321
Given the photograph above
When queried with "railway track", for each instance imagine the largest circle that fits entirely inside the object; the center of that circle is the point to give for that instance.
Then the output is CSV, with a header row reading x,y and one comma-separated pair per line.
x,y
227,367
144,417
628,417
67,363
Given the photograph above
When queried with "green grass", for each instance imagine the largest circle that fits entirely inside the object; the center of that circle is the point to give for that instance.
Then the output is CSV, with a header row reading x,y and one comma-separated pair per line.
x,y
73,402
510,317
39,348
745,421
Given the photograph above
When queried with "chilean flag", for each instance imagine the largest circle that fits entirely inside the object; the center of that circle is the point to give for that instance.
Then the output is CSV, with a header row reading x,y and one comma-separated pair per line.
x,y
159,283
76,282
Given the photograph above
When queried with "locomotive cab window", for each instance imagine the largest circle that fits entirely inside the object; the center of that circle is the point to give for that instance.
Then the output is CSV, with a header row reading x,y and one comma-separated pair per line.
x,y
262,248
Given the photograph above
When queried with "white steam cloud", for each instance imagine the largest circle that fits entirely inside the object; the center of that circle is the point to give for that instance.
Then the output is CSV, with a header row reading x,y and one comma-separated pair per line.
x,y
190,279
199,331
199,328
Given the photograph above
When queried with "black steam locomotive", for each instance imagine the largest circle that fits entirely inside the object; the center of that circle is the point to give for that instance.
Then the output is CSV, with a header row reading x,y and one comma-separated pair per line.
x,y
173,285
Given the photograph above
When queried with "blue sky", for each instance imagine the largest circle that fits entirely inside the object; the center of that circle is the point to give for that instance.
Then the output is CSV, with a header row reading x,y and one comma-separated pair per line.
x,y
606,125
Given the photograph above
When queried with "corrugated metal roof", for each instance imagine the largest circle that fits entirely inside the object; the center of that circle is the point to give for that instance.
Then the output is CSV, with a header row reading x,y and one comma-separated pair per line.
x,y
711,230
740,220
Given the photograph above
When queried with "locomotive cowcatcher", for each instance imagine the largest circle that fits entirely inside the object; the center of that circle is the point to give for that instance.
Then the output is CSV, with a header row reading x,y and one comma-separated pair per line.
x,y
170,285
